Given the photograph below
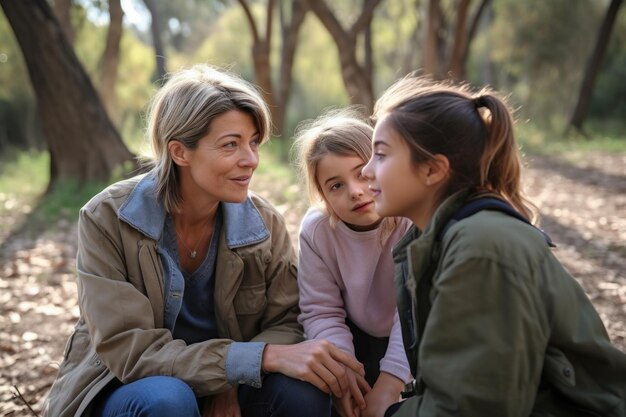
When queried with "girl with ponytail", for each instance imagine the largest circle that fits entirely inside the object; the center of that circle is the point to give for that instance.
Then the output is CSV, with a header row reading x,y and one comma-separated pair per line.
x,y
492,324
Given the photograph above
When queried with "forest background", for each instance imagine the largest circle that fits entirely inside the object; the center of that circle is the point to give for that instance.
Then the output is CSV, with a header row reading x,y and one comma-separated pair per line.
x,y
76,77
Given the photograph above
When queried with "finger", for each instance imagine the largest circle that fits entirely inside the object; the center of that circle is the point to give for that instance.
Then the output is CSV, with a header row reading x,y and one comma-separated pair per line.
x,y
363,385
346,406
347,360
317,381
333,374
356,392
358,398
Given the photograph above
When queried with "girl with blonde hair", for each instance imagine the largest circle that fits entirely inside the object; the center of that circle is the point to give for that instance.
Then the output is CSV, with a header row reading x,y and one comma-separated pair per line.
x,y
345,270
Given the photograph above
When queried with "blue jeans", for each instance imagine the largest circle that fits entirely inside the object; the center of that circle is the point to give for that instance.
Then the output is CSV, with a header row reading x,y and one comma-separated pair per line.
x,y
163,396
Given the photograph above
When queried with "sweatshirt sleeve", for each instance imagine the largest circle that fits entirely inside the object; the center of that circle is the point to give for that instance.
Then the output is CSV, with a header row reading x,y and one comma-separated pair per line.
x,y
322,308
395,361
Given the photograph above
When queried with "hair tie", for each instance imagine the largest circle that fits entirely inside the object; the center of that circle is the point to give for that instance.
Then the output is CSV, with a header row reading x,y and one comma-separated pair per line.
x,y
479,102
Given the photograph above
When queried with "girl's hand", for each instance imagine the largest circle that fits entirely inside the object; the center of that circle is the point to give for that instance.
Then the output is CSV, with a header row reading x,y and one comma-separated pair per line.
x,y
351,404
224,404
386,391
318,362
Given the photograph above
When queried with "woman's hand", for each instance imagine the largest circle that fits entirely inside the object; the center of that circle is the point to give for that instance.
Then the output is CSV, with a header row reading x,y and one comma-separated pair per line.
x,y
386,391
316,361
352,402
224,404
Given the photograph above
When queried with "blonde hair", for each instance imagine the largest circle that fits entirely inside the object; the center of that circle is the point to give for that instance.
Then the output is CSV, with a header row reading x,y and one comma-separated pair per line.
x,y
342,132
183,110
474,130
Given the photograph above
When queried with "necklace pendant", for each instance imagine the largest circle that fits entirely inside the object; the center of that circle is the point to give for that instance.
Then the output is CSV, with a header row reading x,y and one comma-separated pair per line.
x,y
193,254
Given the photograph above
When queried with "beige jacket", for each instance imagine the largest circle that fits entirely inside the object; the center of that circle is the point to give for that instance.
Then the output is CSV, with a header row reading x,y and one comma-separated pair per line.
x,y
120,332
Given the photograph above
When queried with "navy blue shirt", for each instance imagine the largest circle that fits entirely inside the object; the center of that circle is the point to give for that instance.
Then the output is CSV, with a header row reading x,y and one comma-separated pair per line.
x,y
196,319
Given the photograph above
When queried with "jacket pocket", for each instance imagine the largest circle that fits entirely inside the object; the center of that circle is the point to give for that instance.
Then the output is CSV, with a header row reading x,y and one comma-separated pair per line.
x,y
558,370
250,299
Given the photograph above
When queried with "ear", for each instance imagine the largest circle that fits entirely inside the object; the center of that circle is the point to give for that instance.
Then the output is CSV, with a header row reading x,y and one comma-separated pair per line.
x,y
437,170
178,152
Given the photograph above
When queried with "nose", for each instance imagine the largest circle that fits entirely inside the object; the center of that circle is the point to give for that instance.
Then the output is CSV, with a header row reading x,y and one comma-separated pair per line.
x,y
356,190
367,171
249,157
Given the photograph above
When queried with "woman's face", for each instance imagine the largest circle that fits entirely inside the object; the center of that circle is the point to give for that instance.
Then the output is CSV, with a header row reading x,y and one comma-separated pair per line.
x,y
222,164
396,182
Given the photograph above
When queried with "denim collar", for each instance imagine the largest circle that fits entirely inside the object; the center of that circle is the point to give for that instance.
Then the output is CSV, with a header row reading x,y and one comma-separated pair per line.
x,y
243,224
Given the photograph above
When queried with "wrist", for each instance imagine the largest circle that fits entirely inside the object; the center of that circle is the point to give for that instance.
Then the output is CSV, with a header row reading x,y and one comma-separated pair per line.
x,y
267,360
389,384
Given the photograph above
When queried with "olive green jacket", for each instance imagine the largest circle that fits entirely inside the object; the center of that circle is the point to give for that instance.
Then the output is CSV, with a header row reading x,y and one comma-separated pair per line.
x,y
505,330
120,333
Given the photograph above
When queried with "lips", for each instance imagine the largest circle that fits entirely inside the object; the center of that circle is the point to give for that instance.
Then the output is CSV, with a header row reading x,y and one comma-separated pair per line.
x,y
375,192
361,206
243,179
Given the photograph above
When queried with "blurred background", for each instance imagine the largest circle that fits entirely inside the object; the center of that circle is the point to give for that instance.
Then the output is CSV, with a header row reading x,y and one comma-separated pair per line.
x,y
562,61
76,77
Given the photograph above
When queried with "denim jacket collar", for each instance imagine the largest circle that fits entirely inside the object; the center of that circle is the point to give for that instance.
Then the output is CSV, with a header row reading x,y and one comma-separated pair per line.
x,y
142,210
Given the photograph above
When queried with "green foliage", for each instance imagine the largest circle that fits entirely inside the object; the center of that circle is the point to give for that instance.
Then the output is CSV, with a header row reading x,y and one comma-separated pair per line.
x,y
540,53
23,183
134,89
224,46
317,75
395,29
276,174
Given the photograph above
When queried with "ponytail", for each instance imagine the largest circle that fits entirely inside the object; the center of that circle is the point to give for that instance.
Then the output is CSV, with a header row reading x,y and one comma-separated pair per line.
x,y
501,163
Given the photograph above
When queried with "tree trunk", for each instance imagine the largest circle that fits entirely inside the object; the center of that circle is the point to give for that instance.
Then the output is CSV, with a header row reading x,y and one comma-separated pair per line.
x,y
356,79
463,38
290,31
110,58
593,67
82,141
157,40
431,65
63,9
261,53
456,66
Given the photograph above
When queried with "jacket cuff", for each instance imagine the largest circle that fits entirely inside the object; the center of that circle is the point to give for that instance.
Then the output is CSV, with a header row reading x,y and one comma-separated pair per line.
x,y
243,363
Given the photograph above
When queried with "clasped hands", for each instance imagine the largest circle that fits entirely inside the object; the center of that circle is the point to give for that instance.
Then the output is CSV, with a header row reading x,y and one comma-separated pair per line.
x,y
318,362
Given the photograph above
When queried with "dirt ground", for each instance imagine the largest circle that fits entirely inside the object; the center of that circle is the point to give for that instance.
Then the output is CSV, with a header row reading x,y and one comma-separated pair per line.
x,y
583,206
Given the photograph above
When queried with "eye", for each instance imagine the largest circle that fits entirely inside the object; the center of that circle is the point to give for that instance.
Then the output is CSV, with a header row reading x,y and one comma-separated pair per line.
x,y
232,144
335,186
379,155
256,142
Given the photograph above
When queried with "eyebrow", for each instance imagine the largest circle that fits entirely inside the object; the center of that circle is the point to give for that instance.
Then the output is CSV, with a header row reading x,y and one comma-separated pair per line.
x,y
356,167
380,143
236,135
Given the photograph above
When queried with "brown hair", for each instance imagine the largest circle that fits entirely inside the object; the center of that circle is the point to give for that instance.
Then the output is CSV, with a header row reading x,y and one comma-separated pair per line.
x,y
474,130
339,132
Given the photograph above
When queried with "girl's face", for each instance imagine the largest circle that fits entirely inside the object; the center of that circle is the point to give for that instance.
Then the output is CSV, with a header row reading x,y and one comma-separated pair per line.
x,y
346,192
397,183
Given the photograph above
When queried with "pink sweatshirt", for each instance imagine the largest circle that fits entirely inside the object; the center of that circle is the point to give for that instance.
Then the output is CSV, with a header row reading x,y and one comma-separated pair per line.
x,y
343,273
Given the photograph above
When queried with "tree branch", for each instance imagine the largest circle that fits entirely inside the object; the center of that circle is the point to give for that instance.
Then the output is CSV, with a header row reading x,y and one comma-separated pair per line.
x,y
251,21
366,16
